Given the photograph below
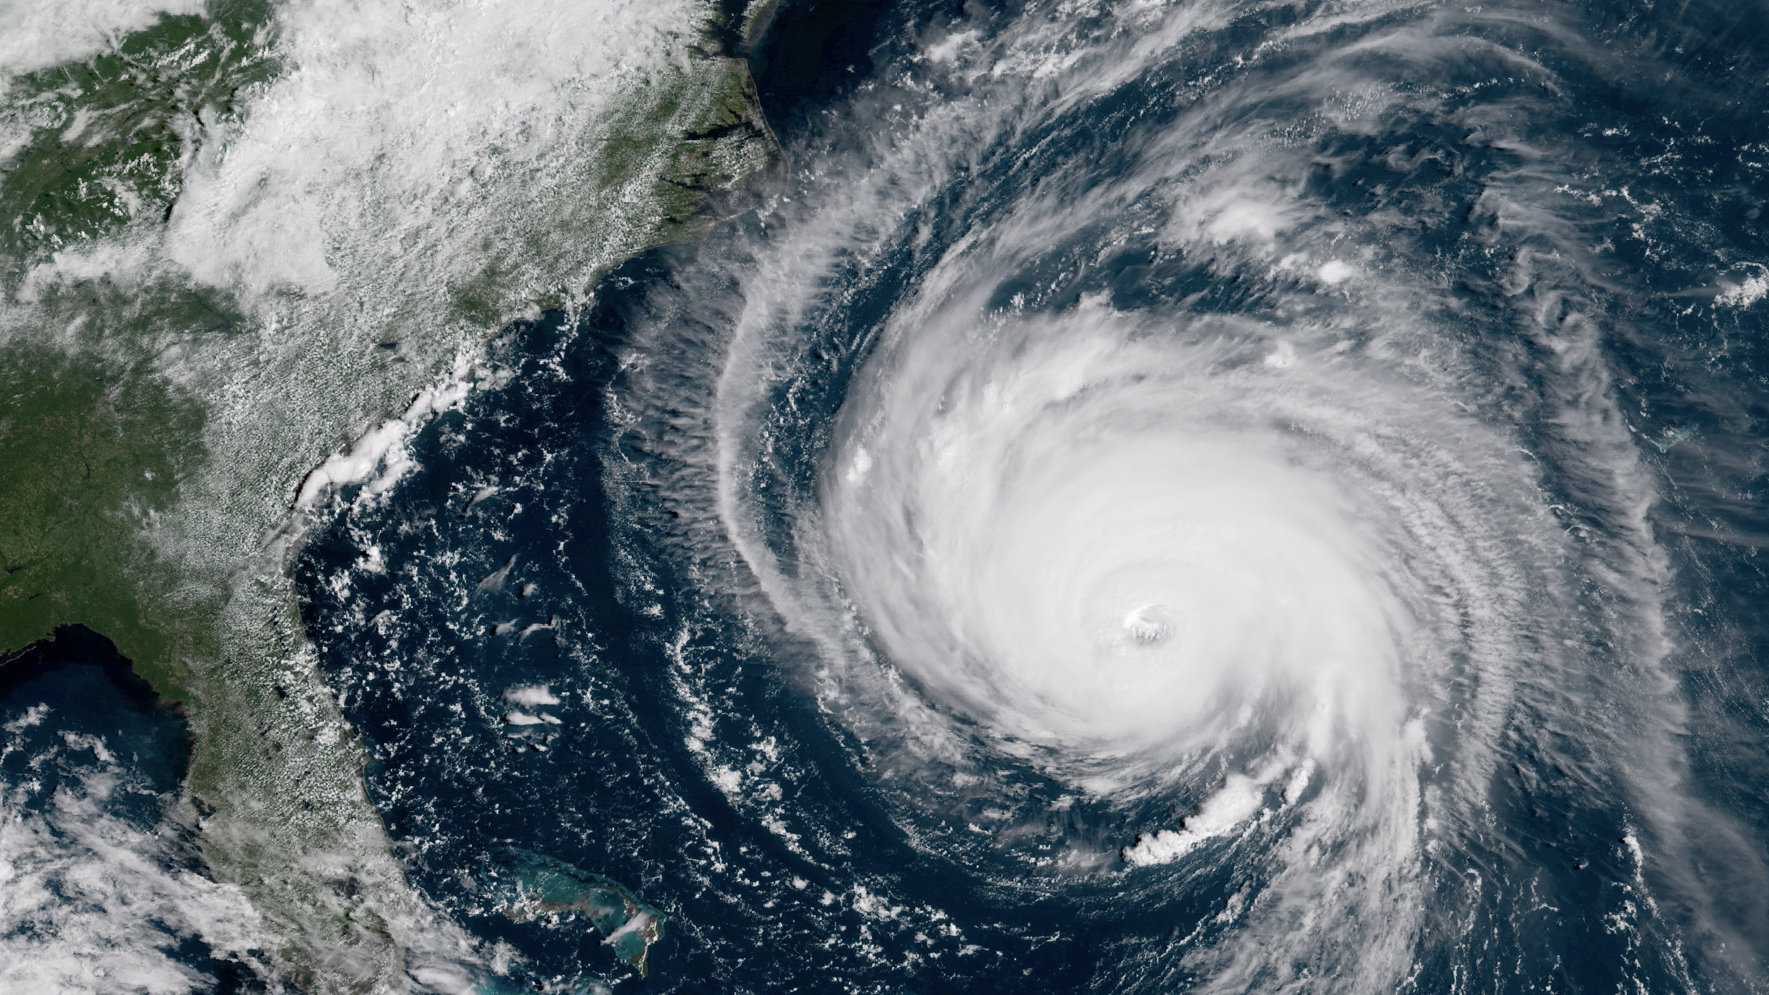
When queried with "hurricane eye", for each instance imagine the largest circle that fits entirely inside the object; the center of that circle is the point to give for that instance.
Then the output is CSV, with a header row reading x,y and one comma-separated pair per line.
x,y
1208,496
1148,625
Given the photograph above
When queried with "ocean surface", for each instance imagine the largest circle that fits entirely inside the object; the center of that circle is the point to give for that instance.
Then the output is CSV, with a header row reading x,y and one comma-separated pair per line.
x,y
1198,496
1146,497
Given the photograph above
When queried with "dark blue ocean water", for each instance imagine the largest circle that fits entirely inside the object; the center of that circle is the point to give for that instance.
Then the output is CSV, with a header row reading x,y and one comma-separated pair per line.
x,y
547,640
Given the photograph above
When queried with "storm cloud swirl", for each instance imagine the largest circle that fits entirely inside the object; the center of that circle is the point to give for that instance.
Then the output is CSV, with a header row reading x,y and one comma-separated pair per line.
x,y
1161,496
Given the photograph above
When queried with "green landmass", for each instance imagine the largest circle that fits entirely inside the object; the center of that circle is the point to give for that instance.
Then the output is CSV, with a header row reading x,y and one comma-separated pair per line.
x,y
720,137
106,137
154,432
92,453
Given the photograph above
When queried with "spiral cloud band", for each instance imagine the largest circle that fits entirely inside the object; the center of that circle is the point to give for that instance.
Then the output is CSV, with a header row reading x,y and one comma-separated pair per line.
x,y
1193,557
1237,548
1107,543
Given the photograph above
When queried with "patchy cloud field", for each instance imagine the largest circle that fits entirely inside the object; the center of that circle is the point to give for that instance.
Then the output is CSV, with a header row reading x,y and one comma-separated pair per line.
x,y
246,246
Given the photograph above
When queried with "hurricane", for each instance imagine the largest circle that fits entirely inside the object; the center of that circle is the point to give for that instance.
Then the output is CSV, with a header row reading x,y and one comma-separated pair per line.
x,y
1208,495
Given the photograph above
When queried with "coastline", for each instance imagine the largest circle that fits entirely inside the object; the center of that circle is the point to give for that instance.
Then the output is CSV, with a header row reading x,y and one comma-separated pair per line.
x,y
273,780
73,645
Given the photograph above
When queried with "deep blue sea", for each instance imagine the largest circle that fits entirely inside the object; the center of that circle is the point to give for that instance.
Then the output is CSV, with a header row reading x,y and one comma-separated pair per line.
x,y
1145,497
1148,497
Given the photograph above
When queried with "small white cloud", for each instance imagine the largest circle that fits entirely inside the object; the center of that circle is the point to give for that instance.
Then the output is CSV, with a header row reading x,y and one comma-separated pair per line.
x,y
1744,293
1237,801
531,696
